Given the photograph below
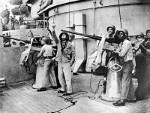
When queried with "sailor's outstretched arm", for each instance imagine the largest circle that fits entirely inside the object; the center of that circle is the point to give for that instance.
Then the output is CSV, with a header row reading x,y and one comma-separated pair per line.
x,y
53,34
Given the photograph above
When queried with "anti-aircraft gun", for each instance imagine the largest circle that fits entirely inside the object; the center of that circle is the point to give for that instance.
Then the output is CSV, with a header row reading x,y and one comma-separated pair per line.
x,y
32,47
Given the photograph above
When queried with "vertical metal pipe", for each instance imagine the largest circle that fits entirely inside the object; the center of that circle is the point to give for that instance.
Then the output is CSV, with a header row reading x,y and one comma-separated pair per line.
x,y
119,14
69,15
44,19
35,24
54,17
94,9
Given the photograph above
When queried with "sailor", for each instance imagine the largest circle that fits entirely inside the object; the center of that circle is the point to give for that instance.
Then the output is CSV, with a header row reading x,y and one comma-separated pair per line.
x,y
126,54
65,57
143,68
112,87
46,53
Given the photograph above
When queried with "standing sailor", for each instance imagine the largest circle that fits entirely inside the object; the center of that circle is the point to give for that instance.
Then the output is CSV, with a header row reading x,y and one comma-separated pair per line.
x,y
45,73
65,57
143,68
126,55
112,88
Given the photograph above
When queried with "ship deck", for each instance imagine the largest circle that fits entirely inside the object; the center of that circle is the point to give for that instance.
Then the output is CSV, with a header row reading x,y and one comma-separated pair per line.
x,y
22,98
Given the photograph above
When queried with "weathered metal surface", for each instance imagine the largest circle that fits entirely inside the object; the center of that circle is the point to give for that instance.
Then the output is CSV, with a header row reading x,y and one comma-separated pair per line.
x,y
9,66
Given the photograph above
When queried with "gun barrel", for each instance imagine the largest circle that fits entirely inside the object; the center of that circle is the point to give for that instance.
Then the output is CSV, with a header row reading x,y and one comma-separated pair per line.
x,y
8,37
85,35
144,36
95,36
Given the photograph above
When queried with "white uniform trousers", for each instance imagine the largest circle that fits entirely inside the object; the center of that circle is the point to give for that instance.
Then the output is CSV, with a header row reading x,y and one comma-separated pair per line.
x,y
64,75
